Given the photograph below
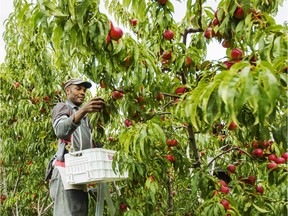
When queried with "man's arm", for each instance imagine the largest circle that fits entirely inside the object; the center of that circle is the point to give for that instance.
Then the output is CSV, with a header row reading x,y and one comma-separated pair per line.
x,y
62,120
65,123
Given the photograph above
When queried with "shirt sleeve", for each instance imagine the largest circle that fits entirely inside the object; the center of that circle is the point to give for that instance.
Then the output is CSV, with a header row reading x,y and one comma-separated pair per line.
x,y
62,121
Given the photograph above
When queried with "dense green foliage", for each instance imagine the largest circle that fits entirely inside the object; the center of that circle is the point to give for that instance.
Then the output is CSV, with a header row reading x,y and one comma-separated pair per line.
x,y
49,41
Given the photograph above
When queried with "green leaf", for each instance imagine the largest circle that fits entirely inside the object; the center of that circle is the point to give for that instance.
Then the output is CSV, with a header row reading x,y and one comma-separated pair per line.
x,y
139,169
206,97
139,7
22,13
279,62
209,13
260,209
126,142
159,132
270,85
54,10
56,37
136,149
193,101
153,187
247,206
126,3
71,8
244,90
282,178
216,209
142,138
240,26
227,90
118,48
280,47
81,12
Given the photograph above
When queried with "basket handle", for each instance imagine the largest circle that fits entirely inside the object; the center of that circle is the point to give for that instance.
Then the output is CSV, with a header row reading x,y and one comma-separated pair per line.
x,y
76,154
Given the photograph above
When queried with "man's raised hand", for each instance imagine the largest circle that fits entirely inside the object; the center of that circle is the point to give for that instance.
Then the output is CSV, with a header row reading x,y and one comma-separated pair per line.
x,y
94,105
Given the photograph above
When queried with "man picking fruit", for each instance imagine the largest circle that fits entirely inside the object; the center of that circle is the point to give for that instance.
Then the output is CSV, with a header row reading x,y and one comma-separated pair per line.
x,y
72,128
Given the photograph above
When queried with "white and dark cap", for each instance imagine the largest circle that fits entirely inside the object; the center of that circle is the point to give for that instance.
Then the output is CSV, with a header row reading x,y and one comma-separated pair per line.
x,y
77,81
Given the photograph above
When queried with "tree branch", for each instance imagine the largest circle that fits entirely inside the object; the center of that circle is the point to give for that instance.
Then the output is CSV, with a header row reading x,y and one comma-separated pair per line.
x,y
3,174
171,95
200,15
190,30
166,105
44,203
193,145
192,141
164,113
118,192
48,207
17,209
193,30
170,195
224,152
16,184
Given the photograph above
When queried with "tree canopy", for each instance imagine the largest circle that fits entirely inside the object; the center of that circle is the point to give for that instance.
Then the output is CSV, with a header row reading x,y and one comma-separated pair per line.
x,y
197,136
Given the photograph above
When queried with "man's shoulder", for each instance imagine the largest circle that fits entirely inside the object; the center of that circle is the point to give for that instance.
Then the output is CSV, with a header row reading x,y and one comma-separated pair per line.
x,y
61,109
60,106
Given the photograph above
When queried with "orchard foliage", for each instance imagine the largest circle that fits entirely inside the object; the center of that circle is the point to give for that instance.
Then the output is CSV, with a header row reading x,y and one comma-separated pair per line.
x,y
224,111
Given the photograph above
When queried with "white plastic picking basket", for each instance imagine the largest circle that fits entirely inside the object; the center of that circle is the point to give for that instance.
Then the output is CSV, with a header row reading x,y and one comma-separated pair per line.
x,y
91,165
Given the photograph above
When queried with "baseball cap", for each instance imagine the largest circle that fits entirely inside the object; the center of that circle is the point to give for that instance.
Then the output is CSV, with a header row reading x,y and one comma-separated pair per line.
x,y
77,81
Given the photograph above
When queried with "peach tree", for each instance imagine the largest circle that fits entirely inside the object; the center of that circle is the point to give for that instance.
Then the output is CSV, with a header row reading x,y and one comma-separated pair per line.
x,y
198,136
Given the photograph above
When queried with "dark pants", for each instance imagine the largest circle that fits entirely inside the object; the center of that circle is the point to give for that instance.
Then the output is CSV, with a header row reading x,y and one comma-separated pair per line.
x,y
77,202
67,202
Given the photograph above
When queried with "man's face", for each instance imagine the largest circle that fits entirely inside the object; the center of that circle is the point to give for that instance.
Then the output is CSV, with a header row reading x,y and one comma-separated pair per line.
x,y
76,94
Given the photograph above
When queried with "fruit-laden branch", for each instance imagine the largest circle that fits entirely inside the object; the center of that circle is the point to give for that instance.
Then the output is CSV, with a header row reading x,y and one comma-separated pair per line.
x,y
228,150
170,195
192,141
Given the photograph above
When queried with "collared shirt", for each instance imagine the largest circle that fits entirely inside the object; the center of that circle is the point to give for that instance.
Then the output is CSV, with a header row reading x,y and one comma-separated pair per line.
x,y
65,129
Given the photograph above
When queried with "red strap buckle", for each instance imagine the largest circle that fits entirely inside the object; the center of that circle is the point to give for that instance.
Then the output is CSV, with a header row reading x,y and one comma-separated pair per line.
x,y
65,141
59,163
